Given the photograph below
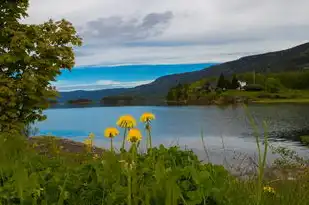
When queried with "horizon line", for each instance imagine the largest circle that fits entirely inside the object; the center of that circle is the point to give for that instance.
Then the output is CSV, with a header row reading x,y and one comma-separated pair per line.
x,y
142,64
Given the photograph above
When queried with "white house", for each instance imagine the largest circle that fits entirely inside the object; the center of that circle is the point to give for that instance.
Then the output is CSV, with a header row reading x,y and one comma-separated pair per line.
x,y
242,84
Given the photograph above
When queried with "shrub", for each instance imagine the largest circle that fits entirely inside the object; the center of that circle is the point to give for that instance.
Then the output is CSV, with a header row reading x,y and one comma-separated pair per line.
x,y
254,87
305,139
273,85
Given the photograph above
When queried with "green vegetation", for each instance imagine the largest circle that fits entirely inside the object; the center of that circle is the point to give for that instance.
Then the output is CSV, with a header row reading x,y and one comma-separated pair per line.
x,y
260,88
49,170
305,140
30,58
80,102
117,100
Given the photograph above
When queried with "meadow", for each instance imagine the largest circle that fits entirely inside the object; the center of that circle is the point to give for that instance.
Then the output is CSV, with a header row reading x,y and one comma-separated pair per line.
x,y
48,170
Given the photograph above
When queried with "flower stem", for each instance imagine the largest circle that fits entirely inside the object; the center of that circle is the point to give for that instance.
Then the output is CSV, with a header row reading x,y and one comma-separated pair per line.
x,y
129,188
150,140
112,147
124,138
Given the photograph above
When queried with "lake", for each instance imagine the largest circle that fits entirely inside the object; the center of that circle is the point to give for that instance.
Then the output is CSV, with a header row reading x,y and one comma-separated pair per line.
x,y
226,130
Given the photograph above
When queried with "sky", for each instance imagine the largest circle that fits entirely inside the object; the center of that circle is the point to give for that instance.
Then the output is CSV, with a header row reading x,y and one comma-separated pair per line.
x,y
151,32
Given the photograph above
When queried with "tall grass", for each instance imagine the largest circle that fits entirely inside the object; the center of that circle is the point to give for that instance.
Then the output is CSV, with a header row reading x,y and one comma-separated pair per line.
x,y
163,176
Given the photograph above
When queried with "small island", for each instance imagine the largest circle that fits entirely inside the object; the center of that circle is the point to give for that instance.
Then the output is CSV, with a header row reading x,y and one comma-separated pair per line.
x,y
117,100
80,102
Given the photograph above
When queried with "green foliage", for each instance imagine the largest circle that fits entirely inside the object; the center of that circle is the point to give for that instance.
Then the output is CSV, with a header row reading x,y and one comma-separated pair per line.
x,y
305,140
221,82
178,93
234,83
31,56
291,80
273,85
162,176
166,176
254,87
287,157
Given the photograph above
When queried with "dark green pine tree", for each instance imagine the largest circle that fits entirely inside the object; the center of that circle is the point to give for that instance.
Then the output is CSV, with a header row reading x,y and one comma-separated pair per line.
x,y
221,82
170,95
178,90
235,83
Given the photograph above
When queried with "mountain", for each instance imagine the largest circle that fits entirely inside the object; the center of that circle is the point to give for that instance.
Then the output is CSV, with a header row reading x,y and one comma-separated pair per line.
x,y
94,95
292,59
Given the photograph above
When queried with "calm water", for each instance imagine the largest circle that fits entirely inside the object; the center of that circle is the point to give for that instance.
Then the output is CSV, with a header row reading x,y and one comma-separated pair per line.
x,y
183,126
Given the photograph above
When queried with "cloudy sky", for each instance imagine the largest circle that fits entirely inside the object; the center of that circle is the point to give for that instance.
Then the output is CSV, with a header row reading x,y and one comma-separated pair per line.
x,y
118,32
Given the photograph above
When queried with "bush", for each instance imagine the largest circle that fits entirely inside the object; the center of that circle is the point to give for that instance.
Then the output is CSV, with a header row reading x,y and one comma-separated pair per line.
x,y
305,139
254,87
273,85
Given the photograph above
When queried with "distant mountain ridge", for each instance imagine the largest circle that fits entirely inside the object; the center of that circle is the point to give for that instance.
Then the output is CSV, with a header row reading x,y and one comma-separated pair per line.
x,y
292,59
94,95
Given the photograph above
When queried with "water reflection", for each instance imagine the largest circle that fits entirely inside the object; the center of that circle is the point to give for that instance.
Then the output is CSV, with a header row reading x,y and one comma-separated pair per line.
x,y
183,125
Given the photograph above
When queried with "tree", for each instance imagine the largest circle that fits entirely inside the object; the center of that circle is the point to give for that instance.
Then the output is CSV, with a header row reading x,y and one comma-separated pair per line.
x,y
170,95
235,83
178,91
221,82
31,57
273,85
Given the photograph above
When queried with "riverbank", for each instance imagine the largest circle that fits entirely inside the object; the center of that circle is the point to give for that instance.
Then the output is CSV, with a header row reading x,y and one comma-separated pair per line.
x,y
234,97
65,172
274,101
50,145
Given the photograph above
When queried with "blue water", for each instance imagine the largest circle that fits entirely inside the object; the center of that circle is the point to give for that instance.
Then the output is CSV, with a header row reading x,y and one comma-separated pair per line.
x,y
183,125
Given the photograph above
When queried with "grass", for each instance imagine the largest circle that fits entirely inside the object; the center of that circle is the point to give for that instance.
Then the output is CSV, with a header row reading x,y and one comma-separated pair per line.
x,y
269,101
305,139
47,171
286,96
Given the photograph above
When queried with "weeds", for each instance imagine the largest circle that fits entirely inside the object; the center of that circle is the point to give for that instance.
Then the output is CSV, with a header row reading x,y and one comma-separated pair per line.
x,y
160,176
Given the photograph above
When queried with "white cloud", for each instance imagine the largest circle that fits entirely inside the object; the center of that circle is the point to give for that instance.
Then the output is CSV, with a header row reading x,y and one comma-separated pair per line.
x,y
194,31
63,85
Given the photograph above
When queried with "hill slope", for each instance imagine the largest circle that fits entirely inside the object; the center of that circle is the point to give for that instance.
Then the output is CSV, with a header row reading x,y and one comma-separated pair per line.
x,y
296,58
94,95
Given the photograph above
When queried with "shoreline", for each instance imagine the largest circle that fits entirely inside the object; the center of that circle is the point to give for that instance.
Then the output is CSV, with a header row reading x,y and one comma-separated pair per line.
x,y
49,145
263,101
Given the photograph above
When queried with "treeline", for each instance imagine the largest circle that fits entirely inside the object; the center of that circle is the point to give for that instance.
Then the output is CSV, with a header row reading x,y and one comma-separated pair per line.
x,y
291,80
182,91
80,101
267,82
117,100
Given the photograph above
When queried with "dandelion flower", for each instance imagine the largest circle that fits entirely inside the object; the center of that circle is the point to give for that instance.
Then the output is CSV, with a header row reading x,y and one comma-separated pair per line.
x,y
126,121
91,136
269,189
147,117
134,135
111,132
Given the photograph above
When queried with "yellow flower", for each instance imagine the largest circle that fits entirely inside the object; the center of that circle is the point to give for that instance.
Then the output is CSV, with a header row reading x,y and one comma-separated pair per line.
x,y
111,132
134,135
126,121
147,117
269,189
91,136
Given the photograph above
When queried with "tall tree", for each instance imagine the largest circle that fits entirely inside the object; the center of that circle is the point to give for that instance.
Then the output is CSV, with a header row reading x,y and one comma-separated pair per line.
x,y
234,83
31,57
221,82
